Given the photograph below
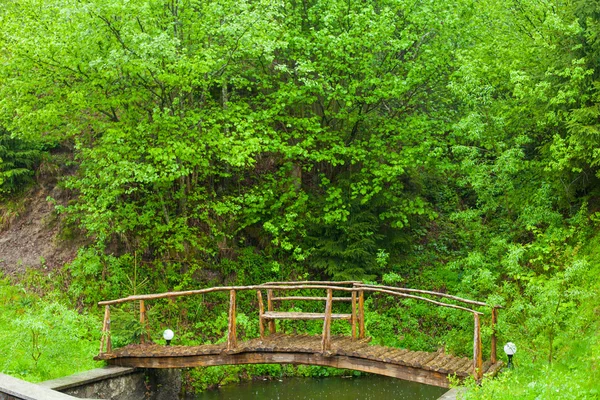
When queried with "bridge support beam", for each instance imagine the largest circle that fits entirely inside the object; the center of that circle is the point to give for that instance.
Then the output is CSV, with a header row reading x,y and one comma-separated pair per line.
x,y
354,363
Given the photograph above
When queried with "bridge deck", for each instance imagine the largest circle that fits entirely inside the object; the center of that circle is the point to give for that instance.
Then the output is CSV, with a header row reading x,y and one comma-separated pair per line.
x,y
420,366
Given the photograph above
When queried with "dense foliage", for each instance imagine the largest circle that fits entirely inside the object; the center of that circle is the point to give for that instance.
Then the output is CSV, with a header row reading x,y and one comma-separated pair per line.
x,y
442,144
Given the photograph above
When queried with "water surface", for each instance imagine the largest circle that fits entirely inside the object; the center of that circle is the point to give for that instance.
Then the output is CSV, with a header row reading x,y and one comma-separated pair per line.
x,y
335,388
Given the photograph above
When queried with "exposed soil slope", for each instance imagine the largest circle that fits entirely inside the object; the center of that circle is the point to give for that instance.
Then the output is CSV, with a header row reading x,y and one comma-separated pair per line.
x,y
31,239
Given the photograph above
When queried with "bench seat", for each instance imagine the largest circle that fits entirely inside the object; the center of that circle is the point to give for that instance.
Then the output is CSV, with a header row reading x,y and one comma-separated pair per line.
x,y
302,315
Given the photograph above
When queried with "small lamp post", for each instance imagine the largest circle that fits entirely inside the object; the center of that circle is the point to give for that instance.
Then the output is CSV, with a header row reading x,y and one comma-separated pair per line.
x,y
168,336
510,349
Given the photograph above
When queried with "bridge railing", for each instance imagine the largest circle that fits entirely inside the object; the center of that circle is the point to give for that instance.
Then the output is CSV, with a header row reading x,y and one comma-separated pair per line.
x,y
356,289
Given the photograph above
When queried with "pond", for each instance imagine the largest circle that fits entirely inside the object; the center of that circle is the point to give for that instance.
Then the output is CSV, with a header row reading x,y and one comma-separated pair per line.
x,y
335,388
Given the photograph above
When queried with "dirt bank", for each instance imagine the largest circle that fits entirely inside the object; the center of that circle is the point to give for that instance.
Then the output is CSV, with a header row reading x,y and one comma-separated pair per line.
x,y
31,238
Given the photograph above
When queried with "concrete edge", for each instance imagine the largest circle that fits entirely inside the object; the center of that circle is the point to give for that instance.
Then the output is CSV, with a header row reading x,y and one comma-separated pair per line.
x,y
29,391
452,394
87,377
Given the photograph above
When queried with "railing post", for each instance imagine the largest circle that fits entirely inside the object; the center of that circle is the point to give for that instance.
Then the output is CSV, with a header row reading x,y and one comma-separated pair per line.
x,y
143,322
261,311
477,355
493,355
326,342
272,328
361,314
105,339
353,315
231,331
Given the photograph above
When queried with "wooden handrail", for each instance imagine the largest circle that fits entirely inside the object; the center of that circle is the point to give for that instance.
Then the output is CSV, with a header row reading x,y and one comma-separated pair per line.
x,y
219,289
438,294
281,287
357,299
312,283
410,296
290,298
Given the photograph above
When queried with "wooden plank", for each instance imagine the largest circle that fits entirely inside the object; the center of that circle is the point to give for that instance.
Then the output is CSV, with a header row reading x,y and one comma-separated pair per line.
x,y
438,362
298,343
410,357
307,298
376,352
231,329
261,311
477,354
326,343
348,350
271,323
424,360
464,368
493,370
434,361
271,315
361,314
450,366
394,354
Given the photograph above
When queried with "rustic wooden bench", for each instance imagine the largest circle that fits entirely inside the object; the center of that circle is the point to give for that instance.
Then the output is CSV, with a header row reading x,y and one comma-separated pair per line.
x,y
357,316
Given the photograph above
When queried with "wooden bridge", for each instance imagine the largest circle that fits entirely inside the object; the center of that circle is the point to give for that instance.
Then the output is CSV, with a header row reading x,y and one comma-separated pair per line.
x,y
350,352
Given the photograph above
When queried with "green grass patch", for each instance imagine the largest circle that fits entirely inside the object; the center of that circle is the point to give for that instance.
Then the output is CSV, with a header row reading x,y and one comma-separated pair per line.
x,y
43,339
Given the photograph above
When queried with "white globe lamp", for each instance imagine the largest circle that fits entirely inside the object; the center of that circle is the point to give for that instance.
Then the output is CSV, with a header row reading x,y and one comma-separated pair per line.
x,y
168,336
510,349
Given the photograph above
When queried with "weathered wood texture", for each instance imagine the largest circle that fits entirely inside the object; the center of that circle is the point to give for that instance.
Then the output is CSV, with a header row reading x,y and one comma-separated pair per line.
x,y
428,292
416,366
361,314
231,330
357,292
302,315
326,342
353,321
105,339
143,321
493,356
307,298
271,323
261,312
477,353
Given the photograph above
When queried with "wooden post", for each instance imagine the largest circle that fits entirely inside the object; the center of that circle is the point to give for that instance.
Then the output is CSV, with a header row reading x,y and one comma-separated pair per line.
x,y
361,314
143,322
108,340
261,311
104,328
272,328
326,342
477,356
493,355
231,331
353,321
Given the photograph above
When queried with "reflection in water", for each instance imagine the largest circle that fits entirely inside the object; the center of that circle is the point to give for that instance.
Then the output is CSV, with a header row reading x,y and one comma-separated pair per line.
x,y
363,388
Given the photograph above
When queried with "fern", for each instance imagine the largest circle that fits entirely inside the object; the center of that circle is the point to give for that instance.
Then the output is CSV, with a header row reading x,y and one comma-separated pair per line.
x,y
18,159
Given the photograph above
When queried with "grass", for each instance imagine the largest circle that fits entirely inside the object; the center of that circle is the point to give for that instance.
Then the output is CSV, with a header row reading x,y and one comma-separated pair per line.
x,y
42,339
